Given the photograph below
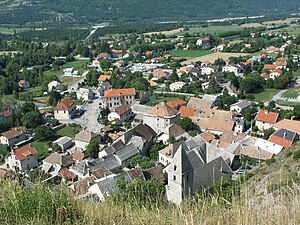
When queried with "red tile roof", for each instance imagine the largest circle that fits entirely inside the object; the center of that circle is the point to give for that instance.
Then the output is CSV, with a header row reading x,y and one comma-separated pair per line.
x,y
279,63
204,39
162,110
265,75
176,103
78,155
23,152
103,55
103,78
6,113
152,83
116,51
282,59
266,116
119,92
65,104
270,66
66,173
187,111
21,82
280,141
279,71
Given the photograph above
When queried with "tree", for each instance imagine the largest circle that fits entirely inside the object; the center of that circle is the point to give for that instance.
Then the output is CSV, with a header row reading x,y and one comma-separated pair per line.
x,y
268,133
32,119
297,111
54,98
44,132
92,149
28,107
171,139
143,161
186,124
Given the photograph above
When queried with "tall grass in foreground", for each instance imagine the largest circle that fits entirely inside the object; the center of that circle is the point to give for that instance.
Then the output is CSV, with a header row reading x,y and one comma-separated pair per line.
x,y
39,205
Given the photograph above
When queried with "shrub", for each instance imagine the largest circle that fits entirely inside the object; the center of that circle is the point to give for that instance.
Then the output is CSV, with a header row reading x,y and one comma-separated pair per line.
x,y
296,155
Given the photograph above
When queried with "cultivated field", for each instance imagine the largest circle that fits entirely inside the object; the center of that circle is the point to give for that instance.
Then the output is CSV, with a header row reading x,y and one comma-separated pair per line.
x,y
252,25
189,54
212,57
166,32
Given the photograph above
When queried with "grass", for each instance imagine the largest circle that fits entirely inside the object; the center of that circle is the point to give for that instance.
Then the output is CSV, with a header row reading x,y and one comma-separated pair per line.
x,y
41,148
69,131
3,150
289,104
290,94
265,95
8,30
188,54
79,65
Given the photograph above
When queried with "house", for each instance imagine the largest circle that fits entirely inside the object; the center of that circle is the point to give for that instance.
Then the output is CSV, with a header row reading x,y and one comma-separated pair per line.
x,y
6,118
161,116
270,67
266,119
22,159
210,98
159,73
96,64
239,124
205,42
207,70
117,54
139,111
194,167
71,72
173,130
219,76
64,143
55,162
103,56
84,94
103,78
205,86
176,86
24,84
215,125
292,125
12,137
56,86
284,137
275,73
233,68
176,103
239,106
113,98
190,69
122,113
65,110
103,87
153,84
83,138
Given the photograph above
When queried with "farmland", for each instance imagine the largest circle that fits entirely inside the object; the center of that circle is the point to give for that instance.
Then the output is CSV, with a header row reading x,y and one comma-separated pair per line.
x,y
189,54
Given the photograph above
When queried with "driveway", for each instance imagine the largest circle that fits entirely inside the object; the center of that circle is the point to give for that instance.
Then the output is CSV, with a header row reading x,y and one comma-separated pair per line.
x,y
89,119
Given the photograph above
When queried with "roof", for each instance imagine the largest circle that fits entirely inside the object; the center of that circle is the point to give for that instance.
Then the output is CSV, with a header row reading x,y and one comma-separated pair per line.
x,y
65,104
66,173
23,152
242,104
207,136
270,66
255,152
63,140
119,92
59,159
174,130
101,172
127,152
283,137
152,83
176,103
187,111
122,109
198,103
162,110
85,136
267,116
292,125
21,82
78,155
215,124
6,114
12,133
103,78
208,97
154,172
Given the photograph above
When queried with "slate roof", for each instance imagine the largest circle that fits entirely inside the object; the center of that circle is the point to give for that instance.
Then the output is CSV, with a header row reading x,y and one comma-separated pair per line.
x,y
242,104
127,152
283,137
181,160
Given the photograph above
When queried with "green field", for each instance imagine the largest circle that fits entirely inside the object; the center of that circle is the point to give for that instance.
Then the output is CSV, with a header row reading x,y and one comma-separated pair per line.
x,y
41,148
290,94
210,29
265,95
8,30
79,65
68,131
189,54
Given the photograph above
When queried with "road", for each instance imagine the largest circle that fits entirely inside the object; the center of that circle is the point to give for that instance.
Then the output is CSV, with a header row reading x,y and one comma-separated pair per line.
x,y
74,87
89,120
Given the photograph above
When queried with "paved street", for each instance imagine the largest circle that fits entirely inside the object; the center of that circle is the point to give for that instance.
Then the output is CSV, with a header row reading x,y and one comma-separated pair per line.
x,y
89,119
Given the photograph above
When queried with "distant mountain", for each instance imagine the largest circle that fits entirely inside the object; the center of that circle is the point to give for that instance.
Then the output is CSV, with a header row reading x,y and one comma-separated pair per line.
x,y
92,11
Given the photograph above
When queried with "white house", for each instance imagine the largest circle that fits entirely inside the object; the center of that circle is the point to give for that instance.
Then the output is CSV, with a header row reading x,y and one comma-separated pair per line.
x,y
65,110
233,68
84,93
56,86
275,73
239,106
113,98
71,72
176,86
266,119
22,159
12,137
64,142
122,113
160,117
207,70
203,42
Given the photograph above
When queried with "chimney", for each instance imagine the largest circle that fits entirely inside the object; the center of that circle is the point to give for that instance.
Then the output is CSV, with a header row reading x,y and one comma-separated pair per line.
x,y
284,134
266,111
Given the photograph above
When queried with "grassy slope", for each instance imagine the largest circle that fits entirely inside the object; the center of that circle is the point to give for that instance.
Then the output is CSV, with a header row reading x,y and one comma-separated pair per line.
x,y
265,95
189,53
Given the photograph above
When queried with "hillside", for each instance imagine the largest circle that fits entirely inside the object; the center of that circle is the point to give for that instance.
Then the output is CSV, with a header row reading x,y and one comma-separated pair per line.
x,y
92,11
270,196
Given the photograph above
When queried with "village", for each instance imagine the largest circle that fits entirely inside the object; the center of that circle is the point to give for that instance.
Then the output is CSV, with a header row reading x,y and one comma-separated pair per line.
x,y
146,109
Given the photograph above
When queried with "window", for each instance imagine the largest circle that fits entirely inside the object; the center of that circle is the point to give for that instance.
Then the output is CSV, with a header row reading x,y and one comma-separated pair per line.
x,y
187,178
174,177
175,167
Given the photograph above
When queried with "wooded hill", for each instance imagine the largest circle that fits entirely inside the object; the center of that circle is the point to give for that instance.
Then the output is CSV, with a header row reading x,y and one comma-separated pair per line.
x,y
92,11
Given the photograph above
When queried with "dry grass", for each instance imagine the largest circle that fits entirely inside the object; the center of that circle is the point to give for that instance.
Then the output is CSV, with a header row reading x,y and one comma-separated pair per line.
x,y
252,25
212,57
166,32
